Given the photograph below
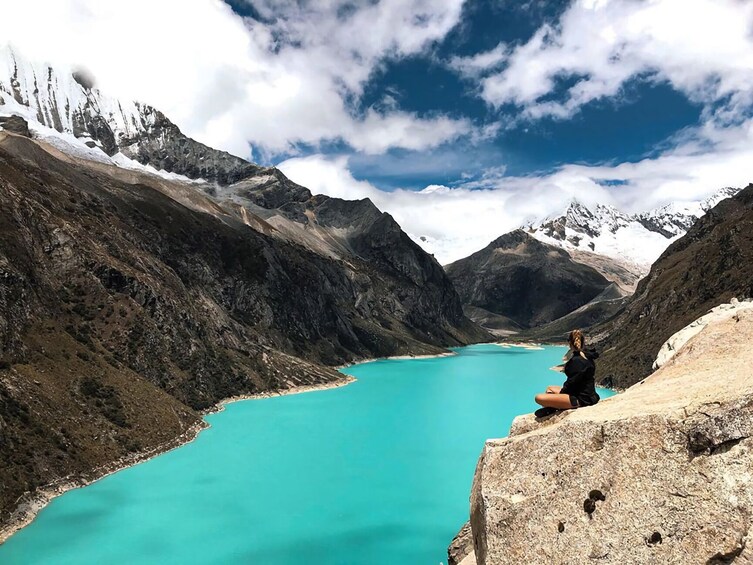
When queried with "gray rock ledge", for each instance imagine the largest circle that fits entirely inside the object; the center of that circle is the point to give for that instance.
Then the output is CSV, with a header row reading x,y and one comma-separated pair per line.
x,y
662,473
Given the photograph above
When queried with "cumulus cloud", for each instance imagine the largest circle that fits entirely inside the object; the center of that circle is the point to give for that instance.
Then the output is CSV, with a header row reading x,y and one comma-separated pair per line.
x,y
703,48
453,222
293,76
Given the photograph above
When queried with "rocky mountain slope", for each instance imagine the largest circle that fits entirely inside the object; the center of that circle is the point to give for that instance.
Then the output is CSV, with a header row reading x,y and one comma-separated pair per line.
x,y
635,241
658,474
144,277
123,311
525,280
712,263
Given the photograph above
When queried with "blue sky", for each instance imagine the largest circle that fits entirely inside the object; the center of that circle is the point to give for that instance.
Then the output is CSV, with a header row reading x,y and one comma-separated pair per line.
x,y
629,127
463,119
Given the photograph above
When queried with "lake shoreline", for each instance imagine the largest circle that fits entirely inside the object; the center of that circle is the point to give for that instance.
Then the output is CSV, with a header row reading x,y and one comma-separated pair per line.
x,y
400,358
522,345
503,344
29,505
220,406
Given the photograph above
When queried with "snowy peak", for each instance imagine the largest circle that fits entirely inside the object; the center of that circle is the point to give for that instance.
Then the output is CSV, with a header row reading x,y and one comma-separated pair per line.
x,y
676,218
66,109
636,239
67,103
603,217
718,196
579,226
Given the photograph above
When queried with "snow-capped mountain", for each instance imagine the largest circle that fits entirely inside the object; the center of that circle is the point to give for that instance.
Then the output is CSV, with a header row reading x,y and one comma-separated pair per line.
x,y
637,239
64,108
676,218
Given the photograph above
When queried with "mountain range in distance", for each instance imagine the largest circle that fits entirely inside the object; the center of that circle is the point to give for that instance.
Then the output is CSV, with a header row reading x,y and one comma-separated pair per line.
x,y
65,111
636,240
572,270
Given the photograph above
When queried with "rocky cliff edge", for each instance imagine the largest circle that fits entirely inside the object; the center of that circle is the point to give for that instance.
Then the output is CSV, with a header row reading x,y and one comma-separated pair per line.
x,y
662,473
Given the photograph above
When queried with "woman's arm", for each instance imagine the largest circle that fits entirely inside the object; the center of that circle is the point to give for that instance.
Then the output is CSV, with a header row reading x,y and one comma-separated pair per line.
x,y
553,389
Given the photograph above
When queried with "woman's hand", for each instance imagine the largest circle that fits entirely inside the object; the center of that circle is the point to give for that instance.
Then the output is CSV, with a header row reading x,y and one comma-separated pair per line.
x,y
553,389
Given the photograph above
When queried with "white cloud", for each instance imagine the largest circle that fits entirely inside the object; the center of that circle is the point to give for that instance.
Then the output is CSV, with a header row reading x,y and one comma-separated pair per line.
x,y
455,222
703,48
476,65
229,81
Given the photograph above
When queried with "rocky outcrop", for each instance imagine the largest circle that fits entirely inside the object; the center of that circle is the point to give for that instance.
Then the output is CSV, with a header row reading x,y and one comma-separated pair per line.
x,y
15,124
711,264
525,280
460,551
678,340
158,142
658,474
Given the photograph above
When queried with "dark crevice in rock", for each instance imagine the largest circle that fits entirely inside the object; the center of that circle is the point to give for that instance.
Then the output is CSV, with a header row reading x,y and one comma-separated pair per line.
x,y
728,557
726,445
589,505
597,495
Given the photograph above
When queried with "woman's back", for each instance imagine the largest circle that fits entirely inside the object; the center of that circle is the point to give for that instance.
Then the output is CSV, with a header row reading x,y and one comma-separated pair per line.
x,y
580,371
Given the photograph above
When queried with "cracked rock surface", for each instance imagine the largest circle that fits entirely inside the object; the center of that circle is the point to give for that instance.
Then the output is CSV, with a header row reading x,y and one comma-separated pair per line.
x,y
661,473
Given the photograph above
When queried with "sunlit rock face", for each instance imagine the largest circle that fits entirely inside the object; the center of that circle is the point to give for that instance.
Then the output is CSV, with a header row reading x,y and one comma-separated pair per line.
x,y
658,474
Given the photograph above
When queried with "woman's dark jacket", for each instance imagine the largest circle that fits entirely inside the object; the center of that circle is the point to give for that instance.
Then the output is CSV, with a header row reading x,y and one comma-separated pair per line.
x,y
580,378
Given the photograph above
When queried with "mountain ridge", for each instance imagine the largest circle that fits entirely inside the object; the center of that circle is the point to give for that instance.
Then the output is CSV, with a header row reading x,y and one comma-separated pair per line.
x,y
69,104
710,264
636,240
526,280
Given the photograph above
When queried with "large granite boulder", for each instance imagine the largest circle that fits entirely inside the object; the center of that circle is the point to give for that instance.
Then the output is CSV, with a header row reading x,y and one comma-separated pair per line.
x,y
661,473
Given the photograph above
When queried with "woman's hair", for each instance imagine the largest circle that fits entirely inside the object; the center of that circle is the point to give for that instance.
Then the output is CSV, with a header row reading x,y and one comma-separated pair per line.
x,y
577,341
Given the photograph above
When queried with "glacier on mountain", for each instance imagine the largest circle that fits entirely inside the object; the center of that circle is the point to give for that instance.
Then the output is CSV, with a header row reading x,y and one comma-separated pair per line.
x,y
633,239
65,102
77,114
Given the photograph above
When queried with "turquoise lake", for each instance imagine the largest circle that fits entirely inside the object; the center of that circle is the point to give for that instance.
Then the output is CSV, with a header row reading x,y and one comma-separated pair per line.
x,y
378,471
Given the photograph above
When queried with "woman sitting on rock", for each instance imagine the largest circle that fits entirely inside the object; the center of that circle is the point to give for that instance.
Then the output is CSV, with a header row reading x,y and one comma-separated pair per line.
x,y
579,388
